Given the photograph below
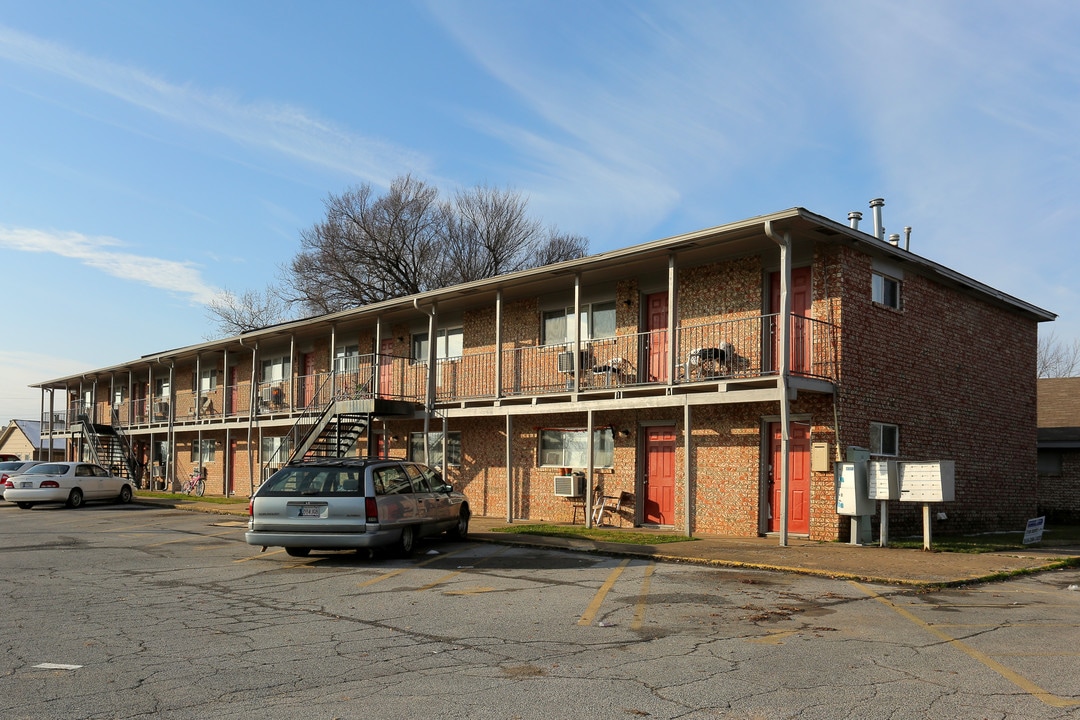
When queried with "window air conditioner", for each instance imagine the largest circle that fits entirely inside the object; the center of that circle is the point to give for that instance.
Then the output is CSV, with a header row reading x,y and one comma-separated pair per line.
x,y
570,485
566,362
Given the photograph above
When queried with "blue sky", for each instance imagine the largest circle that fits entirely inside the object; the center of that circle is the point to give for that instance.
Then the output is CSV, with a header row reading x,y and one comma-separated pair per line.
x,y
153,154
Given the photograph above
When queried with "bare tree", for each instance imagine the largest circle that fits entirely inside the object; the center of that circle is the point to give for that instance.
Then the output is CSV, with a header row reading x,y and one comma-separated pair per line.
x,y
1057,358
370,248
250,310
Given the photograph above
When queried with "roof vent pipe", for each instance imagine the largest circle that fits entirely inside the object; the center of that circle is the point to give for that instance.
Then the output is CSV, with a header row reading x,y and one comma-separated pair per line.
x,y
907,237
854,217
894,239
875,206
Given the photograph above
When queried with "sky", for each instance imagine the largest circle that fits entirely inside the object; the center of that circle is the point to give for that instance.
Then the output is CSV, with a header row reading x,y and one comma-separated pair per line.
x,y
154,155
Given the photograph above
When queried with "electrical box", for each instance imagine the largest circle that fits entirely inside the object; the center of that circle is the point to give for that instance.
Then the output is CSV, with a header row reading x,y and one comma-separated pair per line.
x,y
882,481
851,495
857,454
927,481
819,457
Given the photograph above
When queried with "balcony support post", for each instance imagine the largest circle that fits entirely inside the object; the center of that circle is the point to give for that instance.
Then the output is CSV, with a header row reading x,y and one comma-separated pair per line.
x,y
784,320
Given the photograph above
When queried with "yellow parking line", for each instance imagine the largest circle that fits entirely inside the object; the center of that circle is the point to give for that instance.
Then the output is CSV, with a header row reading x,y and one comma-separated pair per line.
x,y
1015,678
454,574
188,538
639,609
260,555
395,573
598,599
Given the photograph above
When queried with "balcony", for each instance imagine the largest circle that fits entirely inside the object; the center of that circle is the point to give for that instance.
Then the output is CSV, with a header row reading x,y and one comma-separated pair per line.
x,y
732,352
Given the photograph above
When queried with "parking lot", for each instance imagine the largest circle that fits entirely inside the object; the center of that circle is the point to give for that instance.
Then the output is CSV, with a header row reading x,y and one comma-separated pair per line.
x,y
133,611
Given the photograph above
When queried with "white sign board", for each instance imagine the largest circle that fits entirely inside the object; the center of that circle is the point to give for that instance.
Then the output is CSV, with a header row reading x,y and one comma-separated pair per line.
x,y
1034,531
882,482
927,481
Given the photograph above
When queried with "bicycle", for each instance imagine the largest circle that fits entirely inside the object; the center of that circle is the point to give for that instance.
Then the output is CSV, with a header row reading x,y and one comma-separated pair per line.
x,y
196,483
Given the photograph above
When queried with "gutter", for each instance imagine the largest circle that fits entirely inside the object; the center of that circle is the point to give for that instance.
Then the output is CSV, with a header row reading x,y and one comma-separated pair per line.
x,y
784,321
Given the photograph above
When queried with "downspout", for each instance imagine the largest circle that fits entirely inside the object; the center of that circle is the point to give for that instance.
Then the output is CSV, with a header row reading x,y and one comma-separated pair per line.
x,y
429,404
784,321
251,420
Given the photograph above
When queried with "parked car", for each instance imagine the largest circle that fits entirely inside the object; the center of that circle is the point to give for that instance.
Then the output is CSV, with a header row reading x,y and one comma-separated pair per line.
x,y
14,467
354,503
71,483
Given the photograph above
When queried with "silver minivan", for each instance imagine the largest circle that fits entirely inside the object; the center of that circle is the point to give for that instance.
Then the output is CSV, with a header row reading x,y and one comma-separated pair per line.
x,y
354,503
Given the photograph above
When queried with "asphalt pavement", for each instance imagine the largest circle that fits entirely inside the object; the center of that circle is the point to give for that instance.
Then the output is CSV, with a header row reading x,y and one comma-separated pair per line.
x,y
869,563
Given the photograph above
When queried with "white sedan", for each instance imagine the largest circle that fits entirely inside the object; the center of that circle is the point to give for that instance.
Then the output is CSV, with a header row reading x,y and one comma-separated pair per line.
x,y
71,483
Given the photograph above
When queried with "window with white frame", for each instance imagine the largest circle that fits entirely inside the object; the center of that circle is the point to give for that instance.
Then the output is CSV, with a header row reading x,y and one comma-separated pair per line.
x,y
202,451
884,439
435,448
274,450
885,290
347,359
596,321
275,369
569,447
449,344
207,379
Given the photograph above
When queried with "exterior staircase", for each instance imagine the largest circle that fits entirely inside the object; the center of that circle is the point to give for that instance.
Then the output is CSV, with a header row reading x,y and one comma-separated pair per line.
x,y
109,447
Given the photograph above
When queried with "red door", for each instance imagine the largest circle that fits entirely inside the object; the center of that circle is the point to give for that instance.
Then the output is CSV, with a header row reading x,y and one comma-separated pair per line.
x,y
656,318
230,476
798,480
800,308
307,386
659,476
234,393
386,366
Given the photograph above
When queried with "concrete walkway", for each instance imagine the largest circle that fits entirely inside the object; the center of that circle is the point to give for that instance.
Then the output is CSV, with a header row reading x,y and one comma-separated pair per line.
x,y
893,566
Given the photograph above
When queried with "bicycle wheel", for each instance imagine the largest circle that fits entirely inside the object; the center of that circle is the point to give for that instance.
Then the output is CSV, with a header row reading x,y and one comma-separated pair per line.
x,y
200,487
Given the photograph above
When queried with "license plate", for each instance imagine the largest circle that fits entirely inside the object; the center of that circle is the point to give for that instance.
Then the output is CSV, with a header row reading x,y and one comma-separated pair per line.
x,y
26,484
310,512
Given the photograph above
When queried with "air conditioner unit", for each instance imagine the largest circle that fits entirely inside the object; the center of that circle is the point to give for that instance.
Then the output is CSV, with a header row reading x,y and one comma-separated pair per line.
x,y
570,485
566,362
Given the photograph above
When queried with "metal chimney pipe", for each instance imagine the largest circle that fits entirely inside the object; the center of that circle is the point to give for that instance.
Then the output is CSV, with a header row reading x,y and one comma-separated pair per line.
x,y
876,205
907,237
854,217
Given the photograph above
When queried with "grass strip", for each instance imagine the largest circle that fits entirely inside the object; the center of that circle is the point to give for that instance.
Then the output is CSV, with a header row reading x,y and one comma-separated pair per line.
x,y
628,537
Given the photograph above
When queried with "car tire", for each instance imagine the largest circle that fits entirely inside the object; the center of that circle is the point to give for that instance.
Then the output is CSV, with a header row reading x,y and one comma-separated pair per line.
x,y
125,495
75,499
297,551
461,529
25,505
406,541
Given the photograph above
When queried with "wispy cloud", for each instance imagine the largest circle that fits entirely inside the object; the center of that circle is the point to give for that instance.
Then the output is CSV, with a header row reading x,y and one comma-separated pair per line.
x,y
102,253
285,129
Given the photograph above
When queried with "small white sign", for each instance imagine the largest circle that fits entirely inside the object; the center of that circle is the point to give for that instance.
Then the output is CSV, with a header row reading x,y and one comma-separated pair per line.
x,y
1034,531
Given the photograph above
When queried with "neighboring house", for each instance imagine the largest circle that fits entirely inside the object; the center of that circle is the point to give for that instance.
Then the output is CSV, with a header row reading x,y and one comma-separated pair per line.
x,y
686,365
22,438
1058,487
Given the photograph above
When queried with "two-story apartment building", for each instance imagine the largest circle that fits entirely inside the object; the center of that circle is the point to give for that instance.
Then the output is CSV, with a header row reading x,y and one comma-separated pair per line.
x,y
708,379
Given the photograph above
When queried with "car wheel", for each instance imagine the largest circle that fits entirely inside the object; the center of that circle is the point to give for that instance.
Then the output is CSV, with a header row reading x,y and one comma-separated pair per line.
x,y
75,499
461,530
125,494
25,505
297,552
405,542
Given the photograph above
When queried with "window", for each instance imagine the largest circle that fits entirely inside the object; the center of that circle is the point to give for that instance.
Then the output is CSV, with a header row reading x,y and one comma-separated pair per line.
x,y
435,447
885,291
449,344
203,451
884,439
567,448
275,369
597,320
347,359
1050,463
207,380
274,450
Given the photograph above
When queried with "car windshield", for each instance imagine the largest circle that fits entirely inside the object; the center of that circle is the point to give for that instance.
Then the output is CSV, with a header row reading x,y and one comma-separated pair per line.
x,y
314,482
47,469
